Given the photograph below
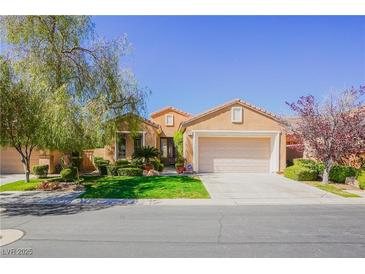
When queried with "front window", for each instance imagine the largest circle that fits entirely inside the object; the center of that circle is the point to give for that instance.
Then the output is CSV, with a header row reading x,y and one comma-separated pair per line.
x,y
169,120
138,141
163,147
121,145
236,114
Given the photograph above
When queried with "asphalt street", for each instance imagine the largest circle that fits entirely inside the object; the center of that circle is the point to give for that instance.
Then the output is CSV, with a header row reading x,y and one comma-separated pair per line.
x,y
185,231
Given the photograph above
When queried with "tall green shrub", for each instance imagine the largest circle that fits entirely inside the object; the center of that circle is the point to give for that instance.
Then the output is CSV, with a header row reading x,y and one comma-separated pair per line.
x,y
178,141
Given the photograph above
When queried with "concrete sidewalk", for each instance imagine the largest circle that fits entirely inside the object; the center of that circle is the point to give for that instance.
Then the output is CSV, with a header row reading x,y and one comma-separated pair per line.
x,y
70,198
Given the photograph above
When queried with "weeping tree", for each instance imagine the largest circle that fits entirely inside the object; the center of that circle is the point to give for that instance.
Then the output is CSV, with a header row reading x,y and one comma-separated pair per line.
x,y
71,82
331,130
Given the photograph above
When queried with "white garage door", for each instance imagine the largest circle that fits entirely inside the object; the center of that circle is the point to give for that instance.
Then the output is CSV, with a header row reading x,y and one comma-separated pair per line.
x,y
236,154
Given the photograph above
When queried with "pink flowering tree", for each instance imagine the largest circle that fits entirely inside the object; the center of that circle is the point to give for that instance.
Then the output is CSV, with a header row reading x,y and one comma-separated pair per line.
x,y
331,130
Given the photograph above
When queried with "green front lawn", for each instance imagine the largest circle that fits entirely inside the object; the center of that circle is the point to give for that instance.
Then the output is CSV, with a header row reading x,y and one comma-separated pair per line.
x,y
21,185
154,187
331,188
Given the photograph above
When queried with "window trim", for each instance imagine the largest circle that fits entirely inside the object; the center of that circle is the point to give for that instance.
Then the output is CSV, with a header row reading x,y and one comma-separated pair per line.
x,y
141,137
127,132
240,120
166,120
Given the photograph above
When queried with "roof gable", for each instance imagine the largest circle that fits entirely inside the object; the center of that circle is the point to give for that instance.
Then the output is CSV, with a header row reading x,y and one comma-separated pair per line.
x,y
228,104
170,108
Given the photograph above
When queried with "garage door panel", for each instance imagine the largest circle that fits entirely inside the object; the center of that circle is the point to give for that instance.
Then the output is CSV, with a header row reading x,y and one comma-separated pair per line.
x,y
234,154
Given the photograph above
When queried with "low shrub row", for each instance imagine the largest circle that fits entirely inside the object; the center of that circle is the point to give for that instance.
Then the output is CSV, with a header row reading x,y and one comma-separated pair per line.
x,y
130,171
309,170
125,167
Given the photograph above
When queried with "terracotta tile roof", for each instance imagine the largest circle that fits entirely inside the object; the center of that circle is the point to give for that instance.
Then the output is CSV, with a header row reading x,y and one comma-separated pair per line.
x,y
235,101
186,114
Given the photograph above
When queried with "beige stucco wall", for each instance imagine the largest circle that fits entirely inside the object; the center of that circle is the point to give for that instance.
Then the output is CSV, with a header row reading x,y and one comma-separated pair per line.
x,y
221,120
151,139
169,131
10,160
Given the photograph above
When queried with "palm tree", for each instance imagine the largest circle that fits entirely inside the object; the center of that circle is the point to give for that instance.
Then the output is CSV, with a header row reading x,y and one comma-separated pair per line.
x,y
146,153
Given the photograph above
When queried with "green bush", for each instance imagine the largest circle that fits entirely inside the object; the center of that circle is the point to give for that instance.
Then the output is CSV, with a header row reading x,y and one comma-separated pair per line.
x,y
361,179
97,159
179,143
122,162
137,162
101,165
112,170
130,171
41,171
339,173
300,173
308,163
304,162
157,165
69,174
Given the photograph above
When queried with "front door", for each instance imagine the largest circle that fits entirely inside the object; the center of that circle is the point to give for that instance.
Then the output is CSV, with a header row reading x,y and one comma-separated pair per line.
x,y
167,148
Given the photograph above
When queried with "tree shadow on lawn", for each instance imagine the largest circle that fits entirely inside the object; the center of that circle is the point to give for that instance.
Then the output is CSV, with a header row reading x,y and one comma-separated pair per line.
x,y
154,187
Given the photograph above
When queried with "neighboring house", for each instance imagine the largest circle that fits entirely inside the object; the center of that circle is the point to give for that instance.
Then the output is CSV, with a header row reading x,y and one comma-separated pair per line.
x,y
10,160
233,137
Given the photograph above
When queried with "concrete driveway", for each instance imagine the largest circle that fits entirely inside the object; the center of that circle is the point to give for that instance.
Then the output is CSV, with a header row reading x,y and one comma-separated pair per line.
x,y
261,188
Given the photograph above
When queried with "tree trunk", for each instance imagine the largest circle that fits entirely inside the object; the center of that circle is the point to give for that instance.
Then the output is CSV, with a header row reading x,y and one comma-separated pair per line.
x,y
26,165
325,176
326,171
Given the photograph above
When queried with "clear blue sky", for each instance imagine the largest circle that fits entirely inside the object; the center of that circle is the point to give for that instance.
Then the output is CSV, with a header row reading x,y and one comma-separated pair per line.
x,y
195,63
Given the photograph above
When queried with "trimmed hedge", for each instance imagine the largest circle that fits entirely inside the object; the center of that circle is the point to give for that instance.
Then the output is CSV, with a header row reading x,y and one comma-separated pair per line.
x,y
339,173
300,173
361,179
69,174
130,171
122,162
112,170
101,165
41,171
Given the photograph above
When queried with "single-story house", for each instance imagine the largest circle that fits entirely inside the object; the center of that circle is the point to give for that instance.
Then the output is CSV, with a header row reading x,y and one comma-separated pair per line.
x,y
233,137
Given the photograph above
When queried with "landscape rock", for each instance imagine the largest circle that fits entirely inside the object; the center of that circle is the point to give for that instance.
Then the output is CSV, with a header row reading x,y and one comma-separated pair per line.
x,y
352,181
